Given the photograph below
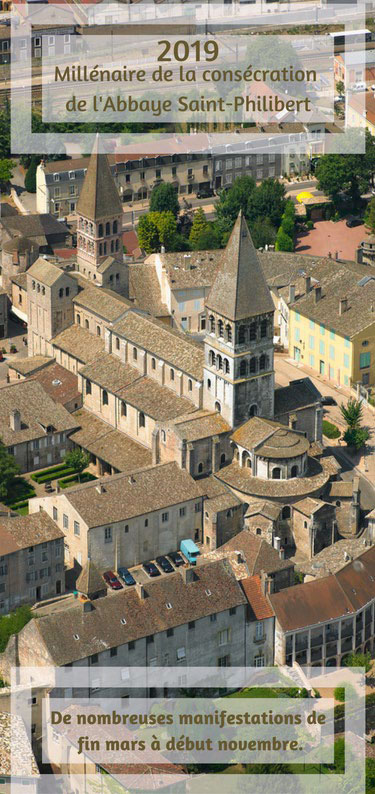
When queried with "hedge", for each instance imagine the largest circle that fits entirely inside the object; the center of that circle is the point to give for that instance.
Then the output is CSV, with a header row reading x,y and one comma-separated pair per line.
x,y
330,430
48,477
16,505
44,472
85,477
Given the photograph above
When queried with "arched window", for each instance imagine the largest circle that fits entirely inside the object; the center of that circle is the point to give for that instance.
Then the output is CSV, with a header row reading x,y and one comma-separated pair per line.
x,y
112,246
220,327
100,230
108,228
163,436
153,363
228,330
208,384
87,324
258,531
222,459
285,512
263,328
226,366
104,248
294,471
218,407
243,368
105,397
117,343
88,387
253,364
123,408
253,410
100,249
262,362
219,362
135,353
114,228
190,385
211,358
211,321
276,473
253,332
200,468
117,247
142,419
241,335
171,372
248,463
98,330
78,317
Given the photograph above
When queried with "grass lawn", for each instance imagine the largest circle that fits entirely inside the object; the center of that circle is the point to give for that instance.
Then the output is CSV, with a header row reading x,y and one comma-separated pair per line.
x,y
255,692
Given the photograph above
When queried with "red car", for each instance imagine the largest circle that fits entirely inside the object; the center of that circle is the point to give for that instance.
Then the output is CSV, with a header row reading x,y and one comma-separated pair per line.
x,y
112,580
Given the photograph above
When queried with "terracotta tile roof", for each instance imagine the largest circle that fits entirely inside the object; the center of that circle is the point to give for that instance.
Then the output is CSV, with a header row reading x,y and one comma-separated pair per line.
x,y
125,497
38,411
259,554
239,290
168,344
334,596
99,198
59,383
79,343
112,446
20,532
102,629
260,607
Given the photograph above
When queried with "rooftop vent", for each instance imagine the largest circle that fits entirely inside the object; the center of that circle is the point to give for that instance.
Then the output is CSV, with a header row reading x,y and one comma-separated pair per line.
x,y
76,636
100,488
208,592
123,621
168,605
56,382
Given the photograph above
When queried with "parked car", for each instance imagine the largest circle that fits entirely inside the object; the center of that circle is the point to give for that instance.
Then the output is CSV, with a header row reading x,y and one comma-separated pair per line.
x,y
151,569
176,558
112,580
126,576
205,192
164,564
327,400
353,221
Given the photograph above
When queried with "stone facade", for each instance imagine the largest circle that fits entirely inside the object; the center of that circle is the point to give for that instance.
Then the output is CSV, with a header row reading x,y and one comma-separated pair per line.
x,y
50,309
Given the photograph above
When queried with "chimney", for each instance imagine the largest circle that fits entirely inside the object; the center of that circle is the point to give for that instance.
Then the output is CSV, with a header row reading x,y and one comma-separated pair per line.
x,y
15,420
307,284
266,583
188,574
282,554
131,479
318,294
276,543
343,305
292,293
100,488
141,592
187,261
238,556
88,606
162,249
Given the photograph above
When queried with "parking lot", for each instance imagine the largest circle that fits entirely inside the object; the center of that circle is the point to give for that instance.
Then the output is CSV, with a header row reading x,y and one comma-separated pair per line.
x,y
142,577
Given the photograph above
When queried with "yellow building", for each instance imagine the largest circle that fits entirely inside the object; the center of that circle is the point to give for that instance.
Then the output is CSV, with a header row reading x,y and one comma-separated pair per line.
x,y
332,326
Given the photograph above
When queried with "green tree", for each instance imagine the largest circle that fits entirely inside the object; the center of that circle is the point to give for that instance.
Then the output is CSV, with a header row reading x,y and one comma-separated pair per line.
x,y
30,178
6,172
148,235
262,232
166,225
283,241
12,624
370,216
77,459
356,437
267,200
199,225
340,88
164,199
210,238
233,200
347,174
8,470
352,412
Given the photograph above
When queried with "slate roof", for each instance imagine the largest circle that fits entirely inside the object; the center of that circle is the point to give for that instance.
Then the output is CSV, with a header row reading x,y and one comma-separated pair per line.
x,y
325,599
299,394
40,226
20,532
20,244
79,343
101,628
239,290
99,198
126,496
172,346
112,446
37,409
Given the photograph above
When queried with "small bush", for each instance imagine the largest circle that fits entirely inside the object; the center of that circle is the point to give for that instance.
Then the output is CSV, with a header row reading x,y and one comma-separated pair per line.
x,y
17,505
68,481
339,694
309,225
330,430
43,472
54,475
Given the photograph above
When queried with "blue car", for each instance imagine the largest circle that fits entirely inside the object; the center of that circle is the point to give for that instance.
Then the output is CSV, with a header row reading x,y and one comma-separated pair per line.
x,y
126,576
